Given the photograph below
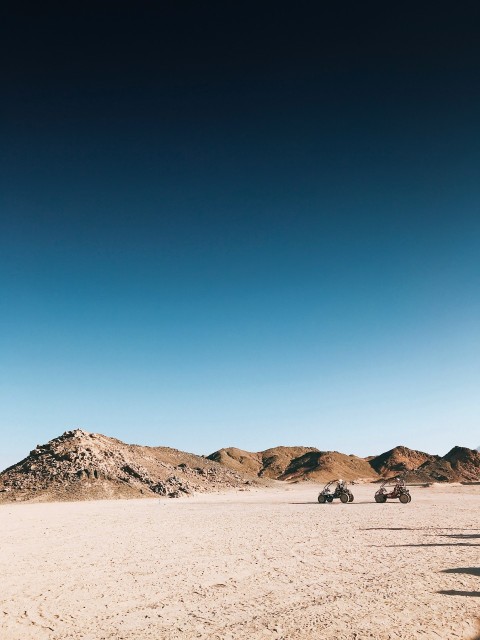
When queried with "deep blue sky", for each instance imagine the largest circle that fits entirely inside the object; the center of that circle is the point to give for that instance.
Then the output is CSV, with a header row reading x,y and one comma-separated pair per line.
x,y
240,226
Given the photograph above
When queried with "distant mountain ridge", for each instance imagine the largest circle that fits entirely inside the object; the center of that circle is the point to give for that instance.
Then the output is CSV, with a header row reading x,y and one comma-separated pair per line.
x,y
295,463
304,463
460,464
83,466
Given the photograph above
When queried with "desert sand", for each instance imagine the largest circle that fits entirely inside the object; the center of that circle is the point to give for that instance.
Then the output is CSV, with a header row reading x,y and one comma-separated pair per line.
x,y
264,563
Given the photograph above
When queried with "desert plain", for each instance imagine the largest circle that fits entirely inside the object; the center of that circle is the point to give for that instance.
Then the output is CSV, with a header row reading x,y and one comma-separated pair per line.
x,y
258,564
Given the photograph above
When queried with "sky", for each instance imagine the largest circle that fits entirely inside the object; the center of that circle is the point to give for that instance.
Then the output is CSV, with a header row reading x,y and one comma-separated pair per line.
x,y
226,224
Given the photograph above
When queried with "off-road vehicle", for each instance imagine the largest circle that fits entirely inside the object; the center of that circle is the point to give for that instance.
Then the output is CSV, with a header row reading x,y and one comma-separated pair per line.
x,y
391,489
328,493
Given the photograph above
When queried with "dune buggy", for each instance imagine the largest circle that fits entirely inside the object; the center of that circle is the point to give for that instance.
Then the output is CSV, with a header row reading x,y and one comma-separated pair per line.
x,y
328,493
398,489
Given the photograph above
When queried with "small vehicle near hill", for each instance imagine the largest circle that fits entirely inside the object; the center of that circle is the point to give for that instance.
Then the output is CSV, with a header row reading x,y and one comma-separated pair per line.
x,y
391,489
329,493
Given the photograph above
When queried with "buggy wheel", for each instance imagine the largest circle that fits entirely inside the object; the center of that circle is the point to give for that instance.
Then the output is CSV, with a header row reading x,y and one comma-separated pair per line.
x,y
350,497
409,498
321,498
379,497
404,498
344,498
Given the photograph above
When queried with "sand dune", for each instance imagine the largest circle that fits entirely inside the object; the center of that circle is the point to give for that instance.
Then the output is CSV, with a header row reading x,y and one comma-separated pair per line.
x,y
268,563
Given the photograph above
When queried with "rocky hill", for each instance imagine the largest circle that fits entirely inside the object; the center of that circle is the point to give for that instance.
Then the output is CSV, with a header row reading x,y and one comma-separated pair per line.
x,y
325,465
239,460
399,460
295,463
458,465
271,463
80,466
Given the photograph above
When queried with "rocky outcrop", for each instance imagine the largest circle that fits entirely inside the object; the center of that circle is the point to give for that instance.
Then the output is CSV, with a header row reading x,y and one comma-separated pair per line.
x,y
80,465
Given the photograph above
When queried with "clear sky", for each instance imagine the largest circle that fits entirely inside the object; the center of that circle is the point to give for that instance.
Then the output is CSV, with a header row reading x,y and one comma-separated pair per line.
x,y
240,226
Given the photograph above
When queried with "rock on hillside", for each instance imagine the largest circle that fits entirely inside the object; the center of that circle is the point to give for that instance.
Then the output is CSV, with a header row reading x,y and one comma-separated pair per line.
x,y
79,466
399,460
459,464
295,463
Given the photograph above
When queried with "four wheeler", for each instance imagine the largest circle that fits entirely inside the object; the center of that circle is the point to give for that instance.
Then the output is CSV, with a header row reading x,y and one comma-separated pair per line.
x,y
341,491
398,490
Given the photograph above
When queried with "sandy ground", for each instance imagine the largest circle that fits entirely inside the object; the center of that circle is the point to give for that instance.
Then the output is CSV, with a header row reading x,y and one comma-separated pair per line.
x,y
270,563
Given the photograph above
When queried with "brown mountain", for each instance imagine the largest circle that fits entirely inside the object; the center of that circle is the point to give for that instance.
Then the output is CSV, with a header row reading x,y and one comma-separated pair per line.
x,y
81,466
271,463
399,460
326,465
307,463
239,460
459,464
295,463
277,460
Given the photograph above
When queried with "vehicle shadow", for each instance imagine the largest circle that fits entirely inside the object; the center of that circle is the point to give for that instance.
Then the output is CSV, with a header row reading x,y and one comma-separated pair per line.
x,y
337,502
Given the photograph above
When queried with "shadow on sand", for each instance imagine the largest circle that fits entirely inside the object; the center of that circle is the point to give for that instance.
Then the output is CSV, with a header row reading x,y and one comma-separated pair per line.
x,y
471,571
468,594
460,535
431,544
426,529
454,537
337,502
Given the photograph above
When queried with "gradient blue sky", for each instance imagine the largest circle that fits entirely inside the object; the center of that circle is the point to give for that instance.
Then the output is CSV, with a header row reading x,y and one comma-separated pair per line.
x,y
219,229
